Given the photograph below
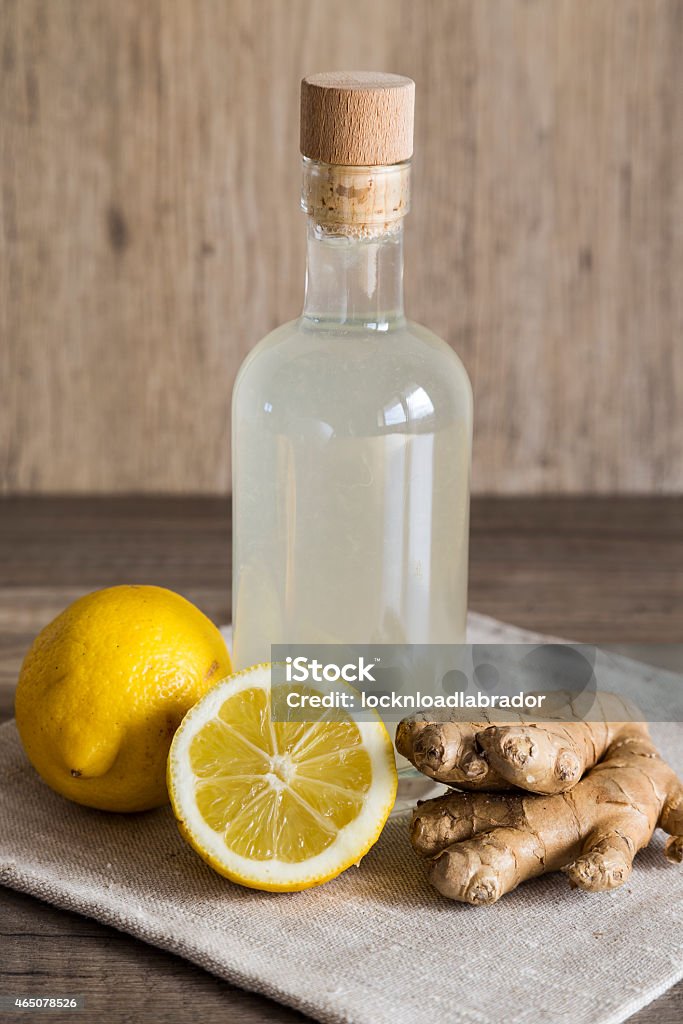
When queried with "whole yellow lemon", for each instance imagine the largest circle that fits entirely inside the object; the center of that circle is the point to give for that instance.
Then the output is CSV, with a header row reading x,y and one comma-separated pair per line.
x,y
104,688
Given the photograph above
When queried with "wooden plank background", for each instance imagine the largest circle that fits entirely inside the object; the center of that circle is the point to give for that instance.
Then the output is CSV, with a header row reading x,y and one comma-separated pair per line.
x,y
150,232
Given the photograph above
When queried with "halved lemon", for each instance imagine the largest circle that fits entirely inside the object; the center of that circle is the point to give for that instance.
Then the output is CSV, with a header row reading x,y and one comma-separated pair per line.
x,y
278,805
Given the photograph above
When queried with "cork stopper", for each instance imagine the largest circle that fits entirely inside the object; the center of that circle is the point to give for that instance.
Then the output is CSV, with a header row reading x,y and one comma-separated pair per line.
x,y
357,118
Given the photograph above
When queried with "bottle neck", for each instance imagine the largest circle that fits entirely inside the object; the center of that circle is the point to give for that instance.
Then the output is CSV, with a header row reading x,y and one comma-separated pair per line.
x,y
354,273
354,281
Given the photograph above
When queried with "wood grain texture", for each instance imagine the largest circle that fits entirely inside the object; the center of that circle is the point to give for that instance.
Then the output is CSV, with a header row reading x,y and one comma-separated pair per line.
x,y
357,118
150,231
594,568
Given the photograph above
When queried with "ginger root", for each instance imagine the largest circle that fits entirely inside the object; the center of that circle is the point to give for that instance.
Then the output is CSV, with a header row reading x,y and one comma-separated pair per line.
x,y
540,758
479,846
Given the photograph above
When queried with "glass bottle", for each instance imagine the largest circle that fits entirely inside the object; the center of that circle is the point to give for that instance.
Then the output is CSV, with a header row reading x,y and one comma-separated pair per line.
x,y
351,425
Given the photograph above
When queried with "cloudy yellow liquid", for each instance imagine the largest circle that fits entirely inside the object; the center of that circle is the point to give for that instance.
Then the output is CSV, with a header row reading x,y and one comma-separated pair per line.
x,y
350,490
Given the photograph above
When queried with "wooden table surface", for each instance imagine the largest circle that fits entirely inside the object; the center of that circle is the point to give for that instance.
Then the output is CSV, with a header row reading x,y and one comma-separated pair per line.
x,y
594,569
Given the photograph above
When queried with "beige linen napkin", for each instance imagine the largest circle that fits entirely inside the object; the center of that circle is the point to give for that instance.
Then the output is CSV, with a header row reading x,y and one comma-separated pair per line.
x,y
377,945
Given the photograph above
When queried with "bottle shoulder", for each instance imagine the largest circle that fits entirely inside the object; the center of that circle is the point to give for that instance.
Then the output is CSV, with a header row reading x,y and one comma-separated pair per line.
x,y
275,338
297,341
397,377
424,336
